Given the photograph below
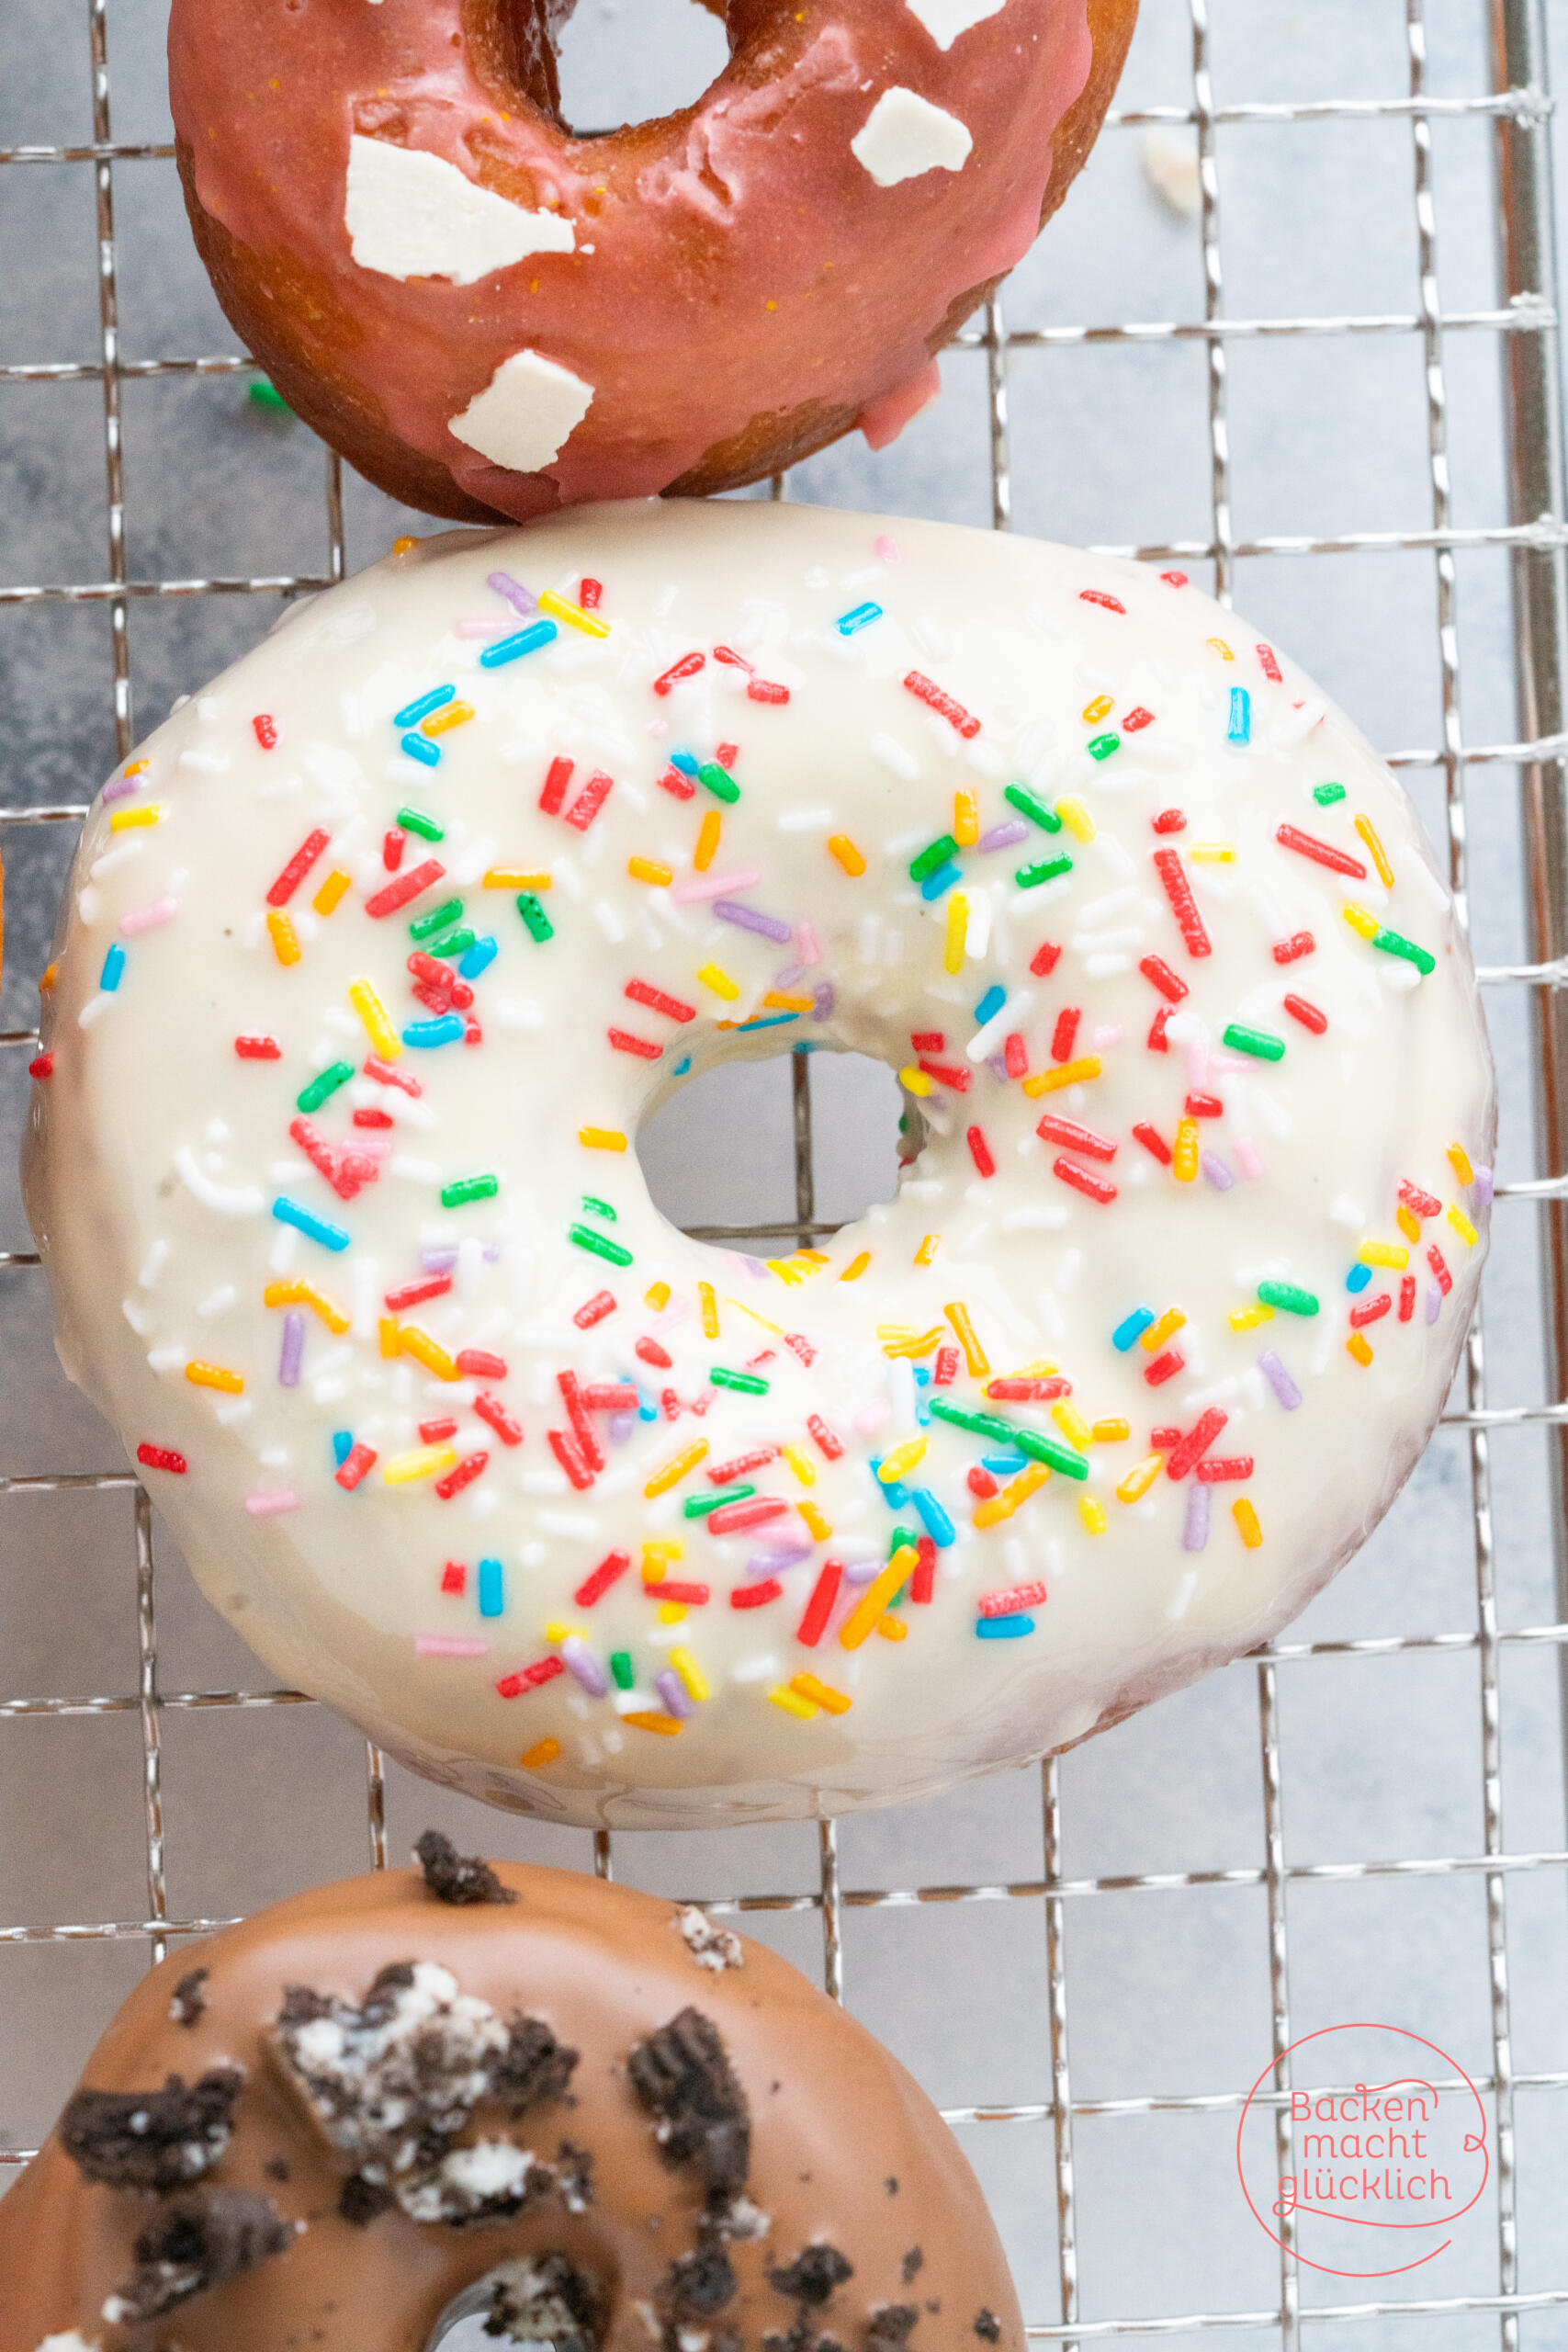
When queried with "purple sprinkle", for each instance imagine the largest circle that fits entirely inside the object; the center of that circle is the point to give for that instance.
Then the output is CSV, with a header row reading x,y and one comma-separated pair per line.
x,y
731,910
788,977
754,1266
1196,1533
1004,836
823,1000
578,1659
783,1555
620,1427
862,1571
121,789
291,1355
516,596
1218,1175
1481,1192
1279,1380
1434,1302
997,1065
673,1692
437,1260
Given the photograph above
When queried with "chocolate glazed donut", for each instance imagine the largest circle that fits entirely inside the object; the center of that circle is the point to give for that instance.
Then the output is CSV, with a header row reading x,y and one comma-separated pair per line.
x,y
588,2116
487,314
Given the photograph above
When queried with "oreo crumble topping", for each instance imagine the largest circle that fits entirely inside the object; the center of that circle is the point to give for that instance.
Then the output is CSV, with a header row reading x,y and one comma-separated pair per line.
x,y
457,1878
684,2079
545,2299
890,2326
816,2272
710,1947
913,2262
987,2325
700,2284
198,2241
189,2002
534,2066
156,2141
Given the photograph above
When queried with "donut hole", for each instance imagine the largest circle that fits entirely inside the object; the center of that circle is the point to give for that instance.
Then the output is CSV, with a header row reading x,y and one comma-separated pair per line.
x,y
541,2298
612,72
719,1153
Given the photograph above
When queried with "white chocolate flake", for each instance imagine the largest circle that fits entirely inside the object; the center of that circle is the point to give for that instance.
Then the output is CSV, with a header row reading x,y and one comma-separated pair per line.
x,y
412,214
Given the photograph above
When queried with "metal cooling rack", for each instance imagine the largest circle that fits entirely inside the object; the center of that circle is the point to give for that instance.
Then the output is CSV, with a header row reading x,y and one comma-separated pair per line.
x,y
1520,109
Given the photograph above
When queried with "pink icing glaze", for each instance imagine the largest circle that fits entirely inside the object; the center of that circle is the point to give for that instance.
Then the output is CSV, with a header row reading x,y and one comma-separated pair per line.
x,y
744,264
883,419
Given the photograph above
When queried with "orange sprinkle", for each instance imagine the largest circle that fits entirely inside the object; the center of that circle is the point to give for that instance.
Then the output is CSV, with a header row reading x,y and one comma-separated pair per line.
x,y
876,1598
213,1375
856,1267
778,1001
927,1249
1357,1346
543,1752
285,944
419,1344
966,819
306,1294
963,1332
849,857
821,1695
707,841
330,891
1048,1081
1245,1518
644,1720
647,869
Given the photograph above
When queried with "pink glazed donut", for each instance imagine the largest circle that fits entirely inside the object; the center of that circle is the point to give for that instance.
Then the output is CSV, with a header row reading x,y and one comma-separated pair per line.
x,y
487,314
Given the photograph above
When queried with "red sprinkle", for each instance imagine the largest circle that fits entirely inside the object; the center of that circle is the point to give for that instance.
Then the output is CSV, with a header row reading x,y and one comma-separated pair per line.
x,y
980,1151
1085,1139
434,1432
1015,1055
926,690
408,886
1156,1040
265,727
1435,1260
643,992
491,1408
594,1310
928,1041
820,1608
415,1293
465,1472
1014,1596
651,1353
948,1074
726,1474
1162,1441
765,690
1406,1298
1220,1467
981,1483
756,1596
671,1404
384,1072
1197,1442
163,1457
1022,1391
588,596
687,667
727,754
394,840
1094,1188
1300,942
689,1596
1339,861
42,1065
453,1578
829,1442
1163,1368
1044,958
583,1429
1153,1142
570,1461
1170,983
355,1464
552,792
1418,1203
1137,718
1112,604
598,1582
544,1669
681,786
1270,667
589,801
736,662
258,1049
1062,1035
946,1368
1184,906
924,1579
732,1517
625,1043
1170,821
372,1118
1371,1311
1307,1014
299,865
799,1345
1174,578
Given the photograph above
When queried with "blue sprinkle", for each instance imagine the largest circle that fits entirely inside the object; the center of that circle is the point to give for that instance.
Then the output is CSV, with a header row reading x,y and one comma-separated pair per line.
x,y
1003,1465
1135,1325
687,763
449,1030
1003,1629
330,1237
1358,1278
991,1005
492,1588
114,964
342,1446
922,1412
939,1527
895,1496
1240,728
512,649
922,1376
480,954
420,748
936,885
647,1410
773,1021
862,617
412,712
681,1066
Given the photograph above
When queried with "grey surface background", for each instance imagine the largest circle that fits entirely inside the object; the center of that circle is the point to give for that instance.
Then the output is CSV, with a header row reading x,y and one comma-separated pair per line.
x,y
1168,1991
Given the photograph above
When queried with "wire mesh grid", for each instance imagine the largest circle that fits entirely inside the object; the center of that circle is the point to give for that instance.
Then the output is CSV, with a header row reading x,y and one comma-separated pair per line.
x,y
1525,326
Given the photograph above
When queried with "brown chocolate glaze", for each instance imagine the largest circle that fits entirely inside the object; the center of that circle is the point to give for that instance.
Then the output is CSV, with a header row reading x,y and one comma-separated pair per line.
x,y
833,2121
741,292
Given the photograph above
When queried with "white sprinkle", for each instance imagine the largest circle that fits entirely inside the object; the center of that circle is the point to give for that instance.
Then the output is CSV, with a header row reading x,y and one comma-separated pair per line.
x,y
1013,1016
416,1171
140,1320
892,753
519,1012
1105,968
574,1524
167,1359
803,821
978,931
208,763
609,921
216,1300
1181,1599
157,1258
229,1200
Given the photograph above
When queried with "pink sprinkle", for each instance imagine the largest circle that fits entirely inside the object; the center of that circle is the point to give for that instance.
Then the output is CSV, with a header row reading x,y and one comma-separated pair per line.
x,y
449,1645
479,628
872,1416
1111,1033
1246,1157
1198,1064
657,727
714,886
884,549
148,918
266,1506
807,941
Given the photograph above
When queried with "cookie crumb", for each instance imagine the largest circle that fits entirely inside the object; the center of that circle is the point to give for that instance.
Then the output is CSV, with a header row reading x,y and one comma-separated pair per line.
x,y
683,2075
195,2243
152,2140
363,2202
545,2299
457,1878
987,2325
701,2283
913,2262
890,2326
189,2002
815,2275
710,1946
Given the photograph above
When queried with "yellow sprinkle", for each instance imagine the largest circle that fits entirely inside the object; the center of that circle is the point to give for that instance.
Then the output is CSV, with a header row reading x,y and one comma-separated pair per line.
x,y
516,878
602,1139
671,1612
719,982
1408,1223
915,1343
1385,1253
658,1551
963,1332
784,1271
1365,925
992,1511
791,1702
800,1461
1247,1319
1050,1081
402,547
1461,1225
1075,818
741,1308
1357,1346
1245,1518
330,891
125,820
1073,1426
1093,1515
915,1081
707,841
876,1598
422,1462
778,1001
690,1672
1222,648
927,1249
646,1720
657,1295
675,1469
966,819
1375,851
649,869
1184,1152
419,1344
1213,852
1041,1369
856,1267
1136,1484
572,615
297,1293
284,946
1155,1338
543,1752
891,1628
389,1336
441,722
1112,1431
709,1304
213,1375
957,930
821,1695
819,1527
1459,1160
1093,712
373,1012
849,857
903,1457
1028,1482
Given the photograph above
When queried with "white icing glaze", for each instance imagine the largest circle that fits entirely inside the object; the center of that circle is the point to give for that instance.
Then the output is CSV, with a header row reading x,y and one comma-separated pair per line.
x,y
152,1137
411,214
904,135
946,19
526,414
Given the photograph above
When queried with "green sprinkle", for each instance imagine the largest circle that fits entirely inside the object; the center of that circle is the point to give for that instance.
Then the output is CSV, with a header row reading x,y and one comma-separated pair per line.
x,y
1287,1296
263,394
1393,942
598,1208
747,1381
1064,1458
699,1506
599,1244
469,1188
540,927
455,943
1326,795
719,781
426,926
1259,1042
902,1538
414,821
1100,747
325,1082
1028,878
935,854
1029,804
621,1668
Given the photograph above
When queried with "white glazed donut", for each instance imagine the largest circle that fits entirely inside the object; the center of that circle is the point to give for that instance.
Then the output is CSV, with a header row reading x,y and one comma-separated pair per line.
x,y
1161,1318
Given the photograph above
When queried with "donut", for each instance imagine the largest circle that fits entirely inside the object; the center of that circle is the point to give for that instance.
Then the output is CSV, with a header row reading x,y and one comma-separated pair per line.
x,y
597,2119
486,314
493,849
